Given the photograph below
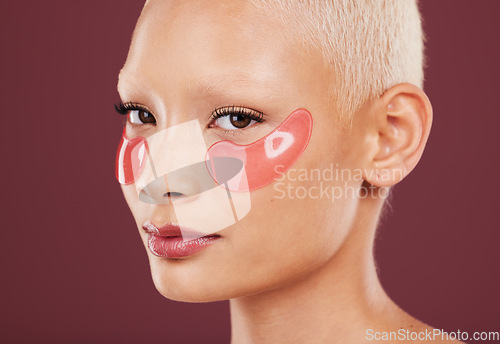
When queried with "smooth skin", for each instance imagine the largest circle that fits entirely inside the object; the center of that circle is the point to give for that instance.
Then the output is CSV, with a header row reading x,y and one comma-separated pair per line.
x,y
295,270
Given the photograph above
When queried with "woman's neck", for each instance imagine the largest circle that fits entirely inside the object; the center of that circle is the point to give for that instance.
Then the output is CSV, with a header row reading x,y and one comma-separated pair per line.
x,y
336,303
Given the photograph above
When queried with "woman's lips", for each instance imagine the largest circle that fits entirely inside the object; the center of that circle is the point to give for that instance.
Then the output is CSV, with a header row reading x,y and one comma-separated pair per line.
x,y
170,241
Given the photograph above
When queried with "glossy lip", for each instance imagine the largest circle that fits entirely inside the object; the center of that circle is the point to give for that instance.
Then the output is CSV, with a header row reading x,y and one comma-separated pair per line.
x,y
173,241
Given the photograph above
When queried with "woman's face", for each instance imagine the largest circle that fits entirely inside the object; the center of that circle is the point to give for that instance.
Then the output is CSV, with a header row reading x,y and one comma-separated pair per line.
x,y
188,58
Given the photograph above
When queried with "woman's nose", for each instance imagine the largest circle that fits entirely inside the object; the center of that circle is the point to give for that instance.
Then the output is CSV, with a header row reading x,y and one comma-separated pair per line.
x,y
187,182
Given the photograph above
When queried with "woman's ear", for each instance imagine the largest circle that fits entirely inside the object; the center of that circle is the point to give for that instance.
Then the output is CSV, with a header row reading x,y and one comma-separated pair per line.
x,y
403,124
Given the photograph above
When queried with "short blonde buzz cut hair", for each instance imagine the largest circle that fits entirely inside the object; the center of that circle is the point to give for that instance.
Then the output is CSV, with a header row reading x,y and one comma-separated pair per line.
x,y
371,45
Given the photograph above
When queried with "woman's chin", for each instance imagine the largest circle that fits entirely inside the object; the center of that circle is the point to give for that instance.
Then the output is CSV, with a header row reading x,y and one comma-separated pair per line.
x,y
194,294
185,290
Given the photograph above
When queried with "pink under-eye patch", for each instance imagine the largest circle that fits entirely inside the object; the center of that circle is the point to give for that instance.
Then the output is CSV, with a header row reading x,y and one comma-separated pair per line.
x,y
260,163
236,167
131,159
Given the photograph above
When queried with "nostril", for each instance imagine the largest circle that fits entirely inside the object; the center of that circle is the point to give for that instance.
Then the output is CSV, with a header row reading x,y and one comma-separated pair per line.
x,y
153,192
174,194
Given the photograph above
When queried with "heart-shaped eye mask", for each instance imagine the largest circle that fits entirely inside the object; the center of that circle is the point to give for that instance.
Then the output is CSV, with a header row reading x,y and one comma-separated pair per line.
x,y
264,160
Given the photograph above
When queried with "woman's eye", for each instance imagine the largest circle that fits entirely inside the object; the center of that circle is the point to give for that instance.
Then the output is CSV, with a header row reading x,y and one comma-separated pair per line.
x,y
141,117
235,121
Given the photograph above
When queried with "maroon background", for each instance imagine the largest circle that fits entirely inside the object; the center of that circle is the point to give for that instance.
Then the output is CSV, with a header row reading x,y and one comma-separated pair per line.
x,y
73,268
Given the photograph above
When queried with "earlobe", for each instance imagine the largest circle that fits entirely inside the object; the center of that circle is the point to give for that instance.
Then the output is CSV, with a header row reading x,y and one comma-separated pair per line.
x,y
404,123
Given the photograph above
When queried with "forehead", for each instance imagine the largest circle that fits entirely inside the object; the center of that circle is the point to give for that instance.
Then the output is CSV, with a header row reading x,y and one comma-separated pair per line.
x,y
206,44
181,32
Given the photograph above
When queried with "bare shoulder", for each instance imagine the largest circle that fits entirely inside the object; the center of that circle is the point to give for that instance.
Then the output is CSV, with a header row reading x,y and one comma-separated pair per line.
x,y
396,326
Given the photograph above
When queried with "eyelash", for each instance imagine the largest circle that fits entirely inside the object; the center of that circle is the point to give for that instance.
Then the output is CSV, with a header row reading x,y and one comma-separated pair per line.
x,y
237,110
125,108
